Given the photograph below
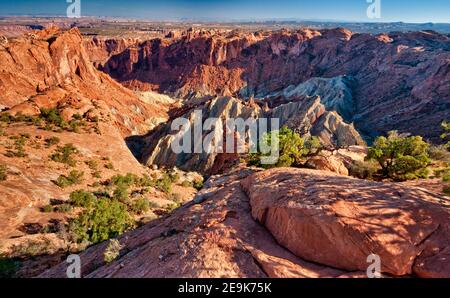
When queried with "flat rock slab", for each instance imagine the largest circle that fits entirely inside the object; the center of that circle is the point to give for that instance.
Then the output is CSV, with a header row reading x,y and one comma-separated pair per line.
x,y
339,221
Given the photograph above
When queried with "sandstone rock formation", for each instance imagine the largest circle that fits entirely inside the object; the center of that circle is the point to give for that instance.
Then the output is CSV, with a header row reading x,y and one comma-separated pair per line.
x,y
53,69
335,94
338,161
307,116
158,145
312,224
395,77
30,184
339,221
327,163
246,223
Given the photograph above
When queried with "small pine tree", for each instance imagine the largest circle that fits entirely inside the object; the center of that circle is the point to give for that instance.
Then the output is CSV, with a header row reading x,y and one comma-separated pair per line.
x,y
291,148
399,157
103,220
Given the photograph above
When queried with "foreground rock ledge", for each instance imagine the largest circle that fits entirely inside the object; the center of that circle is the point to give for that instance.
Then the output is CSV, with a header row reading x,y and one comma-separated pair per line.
x,y
308,224
339,221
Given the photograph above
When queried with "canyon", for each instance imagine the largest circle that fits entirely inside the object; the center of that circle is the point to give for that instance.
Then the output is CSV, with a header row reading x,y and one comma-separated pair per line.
x,y
390,79
344,88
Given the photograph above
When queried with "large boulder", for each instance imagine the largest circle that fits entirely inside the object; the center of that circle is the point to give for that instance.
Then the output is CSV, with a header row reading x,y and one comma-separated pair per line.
x,y
337,161
327,163
339,221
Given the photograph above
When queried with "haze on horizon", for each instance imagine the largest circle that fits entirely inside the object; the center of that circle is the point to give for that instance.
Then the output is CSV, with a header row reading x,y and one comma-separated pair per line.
x,y
411,11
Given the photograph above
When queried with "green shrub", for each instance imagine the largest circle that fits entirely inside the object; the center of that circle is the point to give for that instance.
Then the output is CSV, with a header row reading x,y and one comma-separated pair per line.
x,y
399,157
65,155
102,194
62,182
423,173
47,209
145,181
127,180
446,176
52,141
6,118
140,206
164,184
109,166
112,251
19,145
77,117
64,208
3,172
92,164
74,125
73,178
446,190
103,220
438,173
52,116
121,193
187,183
32,248
172,207
82,198
198,184
291,148
313,145
445,136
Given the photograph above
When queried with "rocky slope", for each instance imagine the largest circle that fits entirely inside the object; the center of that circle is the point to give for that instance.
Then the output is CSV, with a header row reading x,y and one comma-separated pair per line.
x,y
50,69
286,223
399,80
308,116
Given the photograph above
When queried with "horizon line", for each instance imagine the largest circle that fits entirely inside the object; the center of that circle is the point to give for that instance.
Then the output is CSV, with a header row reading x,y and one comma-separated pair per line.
x,y
221,20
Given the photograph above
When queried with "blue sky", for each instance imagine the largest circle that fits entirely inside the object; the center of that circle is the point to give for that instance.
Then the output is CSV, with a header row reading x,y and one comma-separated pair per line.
x,y
417,11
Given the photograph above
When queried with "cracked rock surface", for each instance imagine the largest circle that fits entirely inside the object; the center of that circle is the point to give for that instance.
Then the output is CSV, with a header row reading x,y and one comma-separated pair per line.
x,y
286,223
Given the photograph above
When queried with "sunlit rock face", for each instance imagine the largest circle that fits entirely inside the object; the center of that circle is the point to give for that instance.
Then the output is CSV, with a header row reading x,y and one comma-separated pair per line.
x,y
285,222
51,68
309,117
397,81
